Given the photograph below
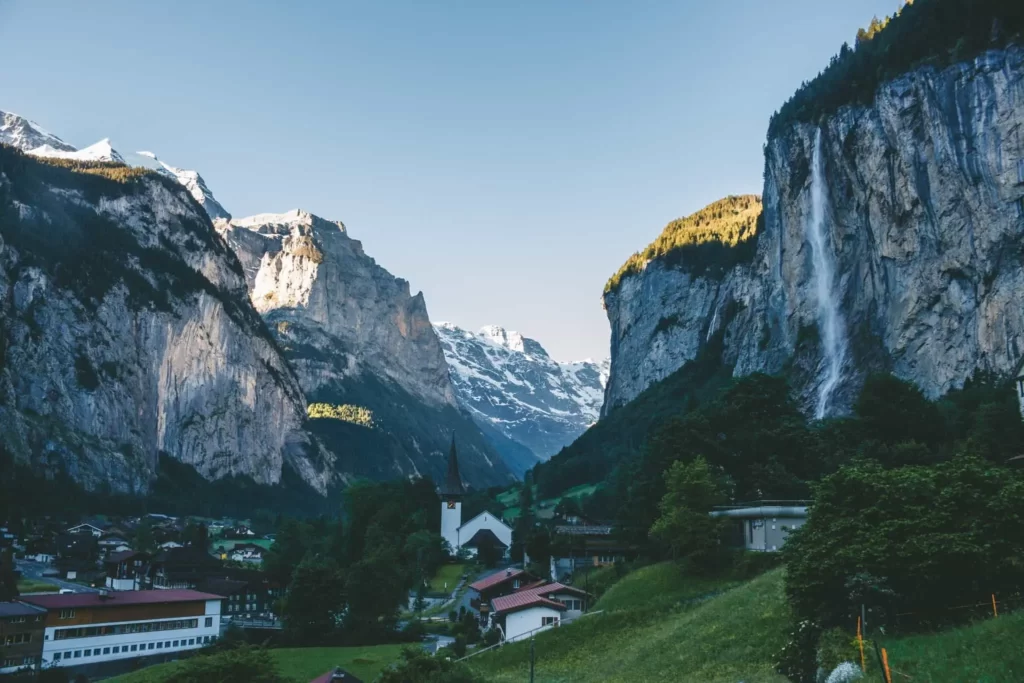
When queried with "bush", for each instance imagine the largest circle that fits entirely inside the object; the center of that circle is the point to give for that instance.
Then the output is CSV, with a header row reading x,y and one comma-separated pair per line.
x,y
419,667
917,540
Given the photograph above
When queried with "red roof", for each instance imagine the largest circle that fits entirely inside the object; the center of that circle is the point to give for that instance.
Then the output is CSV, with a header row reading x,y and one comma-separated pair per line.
x,y
518,601
533,597
116,598
495,578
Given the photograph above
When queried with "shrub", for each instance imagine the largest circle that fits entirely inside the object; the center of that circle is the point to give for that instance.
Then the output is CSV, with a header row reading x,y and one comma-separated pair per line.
x,y
346,413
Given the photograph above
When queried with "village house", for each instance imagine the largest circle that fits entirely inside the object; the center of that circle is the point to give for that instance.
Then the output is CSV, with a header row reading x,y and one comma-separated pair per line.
x,y
91,628
92,529
763,525
246,552
113,544
536,608
127,570
183,568
246,595
502,582
21,636
585,546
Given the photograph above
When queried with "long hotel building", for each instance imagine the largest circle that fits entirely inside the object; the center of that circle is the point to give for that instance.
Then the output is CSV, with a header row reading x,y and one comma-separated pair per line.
x,y
89,628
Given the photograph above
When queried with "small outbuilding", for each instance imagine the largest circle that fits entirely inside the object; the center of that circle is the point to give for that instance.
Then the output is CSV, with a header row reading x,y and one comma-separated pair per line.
x,y
764,525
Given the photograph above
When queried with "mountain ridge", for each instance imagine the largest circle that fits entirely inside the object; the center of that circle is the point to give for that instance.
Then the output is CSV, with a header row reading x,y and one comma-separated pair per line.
x,y
509,383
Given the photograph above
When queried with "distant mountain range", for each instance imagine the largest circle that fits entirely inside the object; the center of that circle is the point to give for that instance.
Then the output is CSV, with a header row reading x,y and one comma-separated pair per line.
x,y
517,393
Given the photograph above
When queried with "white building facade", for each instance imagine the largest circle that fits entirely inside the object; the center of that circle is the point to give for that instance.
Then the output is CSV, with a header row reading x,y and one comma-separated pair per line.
x,y
88,628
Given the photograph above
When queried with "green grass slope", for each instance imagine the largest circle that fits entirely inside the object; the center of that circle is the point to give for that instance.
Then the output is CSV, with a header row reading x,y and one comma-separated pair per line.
x,y
300,664
988,651
722,640
659,585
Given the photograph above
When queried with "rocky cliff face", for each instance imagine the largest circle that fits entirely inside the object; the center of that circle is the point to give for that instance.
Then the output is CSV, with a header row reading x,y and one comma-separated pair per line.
x,y
356,336
510,384
126,331
911,219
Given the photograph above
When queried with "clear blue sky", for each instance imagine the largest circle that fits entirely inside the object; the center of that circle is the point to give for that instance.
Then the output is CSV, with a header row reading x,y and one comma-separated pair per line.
x,y
504,157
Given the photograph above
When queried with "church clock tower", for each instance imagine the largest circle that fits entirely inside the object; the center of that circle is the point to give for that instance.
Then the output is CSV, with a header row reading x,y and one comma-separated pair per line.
x,y
451,501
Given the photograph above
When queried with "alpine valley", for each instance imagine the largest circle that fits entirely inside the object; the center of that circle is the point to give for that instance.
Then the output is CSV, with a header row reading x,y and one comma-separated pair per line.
x,y
141,325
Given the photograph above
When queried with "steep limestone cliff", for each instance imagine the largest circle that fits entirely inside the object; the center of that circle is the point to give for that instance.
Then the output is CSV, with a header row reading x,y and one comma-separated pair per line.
x,y
356,336
126,331
921,215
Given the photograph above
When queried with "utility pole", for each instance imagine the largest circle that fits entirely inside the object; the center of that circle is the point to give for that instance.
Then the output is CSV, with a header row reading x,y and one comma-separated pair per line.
x,y
532,658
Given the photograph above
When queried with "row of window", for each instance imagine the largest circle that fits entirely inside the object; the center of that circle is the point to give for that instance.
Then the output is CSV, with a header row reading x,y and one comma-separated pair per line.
x,y
22,619
547,621
138,627
251,607
18,639
17,661
120,649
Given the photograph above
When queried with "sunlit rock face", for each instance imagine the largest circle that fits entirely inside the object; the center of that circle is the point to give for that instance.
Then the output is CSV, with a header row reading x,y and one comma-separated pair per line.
x,y
922,217
126,332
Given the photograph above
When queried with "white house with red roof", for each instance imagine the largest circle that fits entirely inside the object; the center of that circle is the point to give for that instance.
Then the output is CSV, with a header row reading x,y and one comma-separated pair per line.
x,y
536,608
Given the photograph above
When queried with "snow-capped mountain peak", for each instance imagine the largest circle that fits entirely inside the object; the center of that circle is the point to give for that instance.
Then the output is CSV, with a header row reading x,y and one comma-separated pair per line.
x,y
33,139
99,151
194,183
24,134
509,383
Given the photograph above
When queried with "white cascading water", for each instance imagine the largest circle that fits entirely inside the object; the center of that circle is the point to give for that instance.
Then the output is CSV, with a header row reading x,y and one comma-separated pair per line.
x,y
830,320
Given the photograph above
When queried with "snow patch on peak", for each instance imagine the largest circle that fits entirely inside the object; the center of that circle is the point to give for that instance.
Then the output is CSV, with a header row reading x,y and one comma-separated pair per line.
x,y
99,151
24,134
192,181
509,383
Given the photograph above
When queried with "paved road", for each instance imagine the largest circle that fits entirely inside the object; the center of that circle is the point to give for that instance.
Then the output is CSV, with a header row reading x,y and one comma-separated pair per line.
x,y
34,571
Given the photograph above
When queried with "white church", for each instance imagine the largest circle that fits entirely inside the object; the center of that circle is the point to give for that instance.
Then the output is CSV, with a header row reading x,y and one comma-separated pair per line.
x,y
484,529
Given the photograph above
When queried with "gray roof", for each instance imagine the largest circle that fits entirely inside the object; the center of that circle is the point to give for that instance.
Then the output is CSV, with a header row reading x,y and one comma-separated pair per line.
x,y
19,609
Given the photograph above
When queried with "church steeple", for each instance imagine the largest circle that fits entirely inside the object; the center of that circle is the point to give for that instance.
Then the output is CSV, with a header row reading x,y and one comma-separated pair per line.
x,y
452,485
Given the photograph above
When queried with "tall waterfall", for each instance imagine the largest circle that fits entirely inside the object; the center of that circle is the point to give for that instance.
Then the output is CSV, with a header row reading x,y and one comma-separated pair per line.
x,y
830,320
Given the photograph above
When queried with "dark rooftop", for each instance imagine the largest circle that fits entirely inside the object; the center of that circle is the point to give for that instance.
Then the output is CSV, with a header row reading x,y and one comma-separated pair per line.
x,y
117,598
18,609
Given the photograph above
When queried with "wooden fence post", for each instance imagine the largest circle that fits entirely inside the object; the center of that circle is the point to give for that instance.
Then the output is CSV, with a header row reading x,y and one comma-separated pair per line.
x,y
860,642
995,610
885,664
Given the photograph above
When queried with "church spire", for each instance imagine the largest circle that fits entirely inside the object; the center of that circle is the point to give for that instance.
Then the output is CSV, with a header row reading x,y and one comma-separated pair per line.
x,y
453,482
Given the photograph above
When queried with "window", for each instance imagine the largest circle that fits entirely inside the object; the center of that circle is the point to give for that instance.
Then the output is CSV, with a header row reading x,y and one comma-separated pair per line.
x,y
176,643
191,641
572,604
547,621
151,646
87,653
18,620
167,643
159,646
29,661
67,614
117,648
209,621
106,650
18,639
56,656
8,662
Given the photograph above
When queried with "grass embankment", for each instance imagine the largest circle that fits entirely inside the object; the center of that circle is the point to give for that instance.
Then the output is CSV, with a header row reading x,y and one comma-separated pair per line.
x,y
988,651
33,586
646,635
446,578
300,664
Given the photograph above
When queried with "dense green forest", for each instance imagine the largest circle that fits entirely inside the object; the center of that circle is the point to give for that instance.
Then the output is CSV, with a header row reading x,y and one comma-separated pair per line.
x,y
925,32
712,239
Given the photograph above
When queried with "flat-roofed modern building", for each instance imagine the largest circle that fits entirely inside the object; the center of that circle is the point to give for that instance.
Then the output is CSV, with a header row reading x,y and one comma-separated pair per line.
x,y
764,525
89,628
